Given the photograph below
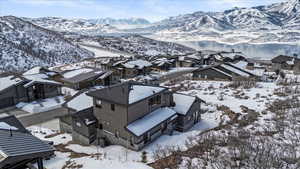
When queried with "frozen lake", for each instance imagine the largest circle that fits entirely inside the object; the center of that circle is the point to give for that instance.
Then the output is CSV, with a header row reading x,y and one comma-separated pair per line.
x,y
263,51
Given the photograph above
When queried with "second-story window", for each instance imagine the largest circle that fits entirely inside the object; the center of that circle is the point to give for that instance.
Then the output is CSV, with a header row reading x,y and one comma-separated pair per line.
x,y
112,107
155,100
99,103
158,99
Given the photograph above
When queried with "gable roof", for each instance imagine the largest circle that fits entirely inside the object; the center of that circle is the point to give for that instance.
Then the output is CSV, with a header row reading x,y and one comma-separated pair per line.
x,y
9,81
79,101
282,59
18,144
183,103
39,78
22,146
126,93
11,122
82,74
139,64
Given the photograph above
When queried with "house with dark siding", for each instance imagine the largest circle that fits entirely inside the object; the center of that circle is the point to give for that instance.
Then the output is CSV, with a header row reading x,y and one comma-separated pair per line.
x,y
282,62
224,71
130,114
15,89
18,148
83,78
132,68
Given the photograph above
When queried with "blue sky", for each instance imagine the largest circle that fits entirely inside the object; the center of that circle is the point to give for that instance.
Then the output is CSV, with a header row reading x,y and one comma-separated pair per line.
x,y
152,10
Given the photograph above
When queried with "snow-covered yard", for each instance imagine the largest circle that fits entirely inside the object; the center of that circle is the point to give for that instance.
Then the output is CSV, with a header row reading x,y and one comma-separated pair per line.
x,y
117,157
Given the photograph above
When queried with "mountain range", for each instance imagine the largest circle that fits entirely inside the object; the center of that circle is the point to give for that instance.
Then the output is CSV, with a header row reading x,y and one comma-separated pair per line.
x,y
278,22
26,42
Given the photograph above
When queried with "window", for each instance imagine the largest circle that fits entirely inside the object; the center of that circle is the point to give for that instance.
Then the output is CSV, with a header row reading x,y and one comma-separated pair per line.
x,y
155,100
151,101
112,107
158,99
99,103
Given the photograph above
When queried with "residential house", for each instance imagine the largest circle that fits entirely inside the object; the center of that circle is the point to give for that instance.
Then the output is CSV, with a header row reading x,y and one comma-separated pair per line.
x,y
130,114
27,88
163,64
18,148
86,77
132,68
192,60
282,62
79,117
223,71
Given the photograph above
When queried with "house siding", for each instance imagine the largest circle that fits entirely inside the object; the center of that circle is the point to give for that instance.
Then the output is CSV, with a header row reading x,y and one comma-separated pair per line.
x,y
185,122
112,121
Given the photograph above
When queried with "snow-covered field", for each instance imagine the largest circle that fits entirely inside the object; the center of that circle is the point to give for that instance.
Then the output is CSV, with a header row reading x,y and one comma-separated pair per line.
x,y
117,157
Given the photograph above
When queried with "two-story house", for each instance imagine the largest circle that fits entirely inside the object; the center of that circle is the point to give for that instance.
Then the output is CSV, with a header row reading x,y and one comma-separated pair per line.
x,y
129,114
132,114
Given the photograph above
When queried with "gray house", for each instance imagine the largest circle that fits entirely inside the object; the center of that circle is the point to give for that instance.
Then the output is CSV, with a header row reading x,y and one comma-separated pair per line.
x,y
85,78
15,89
18,147
282,62
129,114
188,111
132,114
224,71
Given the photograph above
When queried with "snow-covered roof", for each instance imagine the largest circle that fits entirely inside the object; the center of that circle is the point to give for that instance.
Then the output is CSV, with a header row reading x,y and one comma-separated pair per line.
x,y
76,72
237,71
140,64
35,70
151,120
8,81
6,126
139,92
183,103
80,102
126,93
243,65
39,78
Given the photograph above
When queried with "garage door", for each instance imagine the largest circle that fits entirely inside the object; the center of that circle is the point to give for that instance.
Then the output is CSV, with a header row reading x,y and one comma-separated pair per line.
x,y
6,102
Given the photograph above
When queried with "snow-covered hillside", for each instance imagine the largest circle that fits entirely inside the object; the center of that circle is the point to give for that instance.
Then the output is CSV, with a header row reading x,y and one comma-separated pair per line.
x,y
89,26
24,45
81,26
274,23
134,45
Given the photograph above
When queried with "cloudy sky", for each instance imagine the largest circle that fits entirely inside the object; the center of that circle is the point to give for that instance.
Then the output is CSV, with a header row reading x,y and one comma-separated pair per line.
x,y
152,10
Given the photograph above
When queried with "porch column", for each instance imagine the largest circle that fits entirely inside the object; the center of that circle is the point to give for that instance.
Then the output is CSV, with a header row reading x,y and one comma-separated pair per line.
x,y
40,163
